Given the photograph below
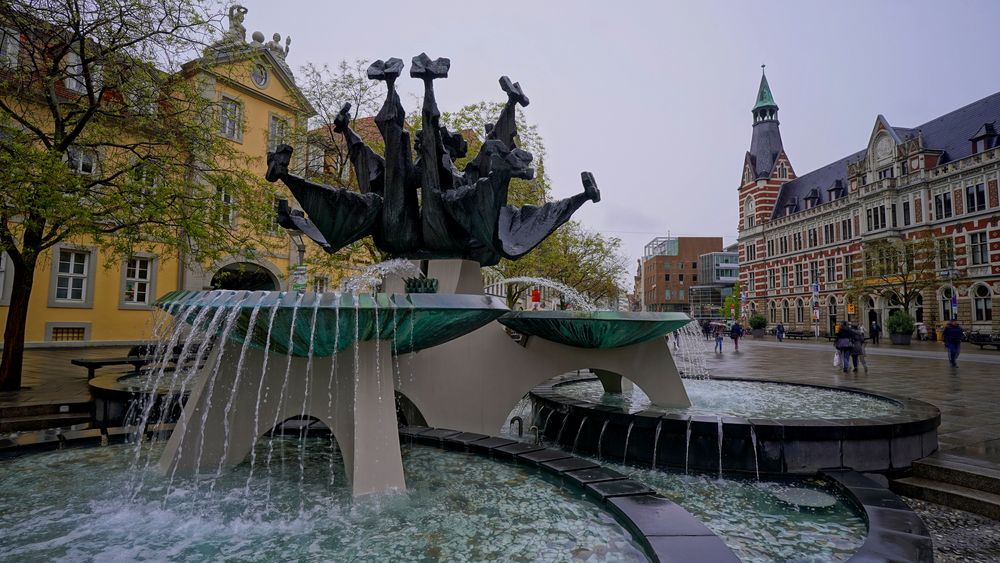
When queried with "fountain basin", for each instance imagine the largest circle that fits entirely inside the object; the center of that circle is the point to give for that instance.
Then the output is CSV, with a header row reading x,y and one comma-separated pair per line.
x,y
410,322
728,442
594,329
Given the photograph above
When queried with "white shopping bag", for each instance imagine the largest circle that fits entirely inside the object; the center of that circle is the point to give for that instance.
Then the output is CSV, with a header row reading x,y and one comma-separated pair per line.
x,y
836,359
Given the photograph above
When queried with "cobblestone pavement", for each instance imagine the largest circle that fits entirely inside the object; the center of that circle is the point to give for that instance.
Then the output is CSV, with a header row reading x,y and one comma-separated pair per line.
x,y
959,536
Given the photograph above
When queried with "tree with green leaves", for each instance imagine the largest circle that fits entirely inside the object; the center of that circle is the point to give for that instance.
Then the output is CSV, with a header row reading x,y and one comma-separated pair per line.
x,y
901,269
731,304
108,140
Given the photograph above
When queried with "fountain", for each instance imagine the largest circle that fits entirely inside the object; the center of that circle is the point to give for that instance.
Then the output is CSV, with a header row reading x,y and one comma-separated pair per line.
x,y
336,356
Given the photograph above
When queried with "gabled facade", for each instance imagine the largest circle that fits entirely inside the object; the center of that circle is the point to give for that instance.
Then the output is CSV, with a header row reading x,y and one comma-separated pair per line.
x,y
804,233
83,295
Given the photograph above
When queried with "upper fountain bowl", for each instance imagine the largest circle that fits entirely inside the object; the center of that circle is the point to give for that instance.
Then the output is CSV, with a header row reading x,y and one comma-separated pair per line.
x,y
410,322
594,329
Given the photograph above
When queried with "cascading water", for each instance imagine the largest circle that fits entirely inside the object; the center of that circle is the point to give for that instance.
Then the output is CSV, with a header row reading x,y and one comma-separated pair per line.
x,y
687,446
562,427
753,440
656,440
261,389
572,296
578,431
600,438
720,447
690,352
628,434
373,276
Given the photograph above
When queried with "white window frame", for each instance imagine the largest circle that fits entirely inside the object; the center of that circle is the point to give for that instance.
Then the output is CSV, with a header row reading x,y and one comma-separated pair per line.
x,y
979,252
10,47
6,278
124,302
231,118
76,157
277,131
224,201
982,307
86,300
75,81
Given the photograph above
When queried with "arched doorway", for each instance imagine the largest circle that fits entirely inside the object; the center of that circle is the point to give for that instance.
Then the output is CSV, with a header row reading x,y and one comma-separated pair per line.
x,y
918,312
872,312
246,276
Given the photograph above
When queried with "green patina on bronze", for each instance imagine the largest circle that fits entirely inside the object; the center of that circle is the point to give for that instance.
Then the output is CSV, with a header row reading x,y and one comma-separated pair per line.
x,y
594,329
406,322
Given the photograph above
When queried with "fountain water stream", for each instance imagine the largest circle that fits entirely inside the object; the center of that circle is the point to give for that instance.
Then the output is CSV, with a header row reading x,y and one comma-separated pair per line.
x,y
574,297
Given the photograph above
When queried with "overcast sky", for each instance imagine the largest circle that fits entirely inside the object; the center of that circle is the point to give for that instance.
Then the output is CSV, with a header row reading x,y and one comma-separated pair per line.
x,y
654,97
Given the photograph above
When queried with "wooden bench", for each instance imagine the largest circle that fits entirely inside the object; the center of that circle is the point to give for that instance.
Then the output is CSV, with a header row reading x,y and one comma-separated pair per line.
x,y
98,363
138,357
984,340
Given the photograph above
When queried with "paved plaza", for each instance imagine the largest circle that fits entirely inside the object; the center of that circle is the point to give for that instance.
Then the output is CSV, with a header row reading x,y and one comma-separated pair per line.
x,y
967,395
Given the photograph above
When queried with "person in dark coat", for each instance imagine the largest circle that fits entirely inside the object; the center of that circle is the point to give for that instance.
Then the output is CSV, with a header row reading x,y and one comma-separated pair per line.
x,y
876,332
952,336
736,332
780,332
858,347
844,343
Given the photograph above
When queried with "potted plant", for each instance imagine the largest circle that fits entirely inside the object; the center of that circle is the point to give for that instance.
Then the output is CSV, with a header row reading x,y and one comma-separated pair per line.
x,y
757,324
900,326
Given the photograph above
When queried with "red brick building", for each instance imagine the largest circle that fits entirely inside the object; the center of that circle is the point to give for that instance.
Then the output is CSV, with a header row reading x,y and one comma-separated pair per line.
x,y
669,269
798,230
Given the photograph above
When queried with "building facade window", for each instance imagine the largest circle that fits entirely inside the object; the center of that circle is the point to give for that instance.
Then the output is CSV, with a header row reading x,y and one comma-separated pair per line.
x,y
82,161
946,294
10,43
784,311
784,276
226,213
800,311
982,303
975,198
752,251
783,244
846,229
831,270
772,311
71,281
138,282
979,249
906,213
277,132
666,294
798,275
814,272
772,278
848,267
230,118
876,218
321,284
813,237
942,206
748,212
72,278
797,241
946,253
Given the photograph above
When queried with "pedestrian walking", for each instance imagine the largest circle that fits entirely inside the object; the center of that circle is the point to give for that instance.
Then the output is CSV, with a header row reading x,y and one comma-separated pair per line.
x,y
844,343
858,347
736,332
718,338
876,332
780,332
952,336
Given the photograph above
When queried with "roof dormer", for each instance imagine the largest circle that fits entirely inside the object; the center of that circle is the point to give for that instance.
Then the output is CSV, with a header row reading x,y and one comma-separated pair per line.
x,y
985,138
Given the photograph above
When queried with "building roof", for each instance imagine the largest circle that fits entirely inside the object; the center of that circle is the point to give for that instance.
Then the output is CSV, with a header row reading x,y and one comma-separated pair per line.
x,y
949,133
765,145
764,97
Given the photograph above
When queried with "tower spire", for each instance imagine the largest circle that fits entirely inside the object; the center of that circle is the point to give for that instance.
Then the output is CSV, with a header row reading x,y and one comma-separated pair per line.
x,y
765,109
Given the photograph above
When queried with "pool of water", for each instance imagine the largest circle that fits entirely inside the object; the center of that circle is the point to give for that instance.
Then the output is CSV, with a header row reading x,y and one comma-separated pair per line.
x,y
754,523
74,505
756,399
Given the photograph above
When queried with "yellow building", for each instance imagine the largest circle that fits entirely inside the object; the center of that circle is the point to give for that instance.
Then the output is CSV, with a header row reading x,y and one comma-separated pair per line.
x,y
85,296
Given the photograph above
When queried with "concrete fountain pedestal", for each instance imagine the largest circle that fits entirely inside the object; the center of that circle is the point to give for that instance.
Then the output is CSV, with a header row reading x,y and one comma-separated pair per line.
x,y
338,359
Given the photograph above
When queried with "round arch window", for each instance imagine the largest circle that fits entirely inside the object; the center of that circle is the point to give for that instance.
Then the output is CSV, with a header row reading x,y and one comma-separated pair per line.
x,y
259,75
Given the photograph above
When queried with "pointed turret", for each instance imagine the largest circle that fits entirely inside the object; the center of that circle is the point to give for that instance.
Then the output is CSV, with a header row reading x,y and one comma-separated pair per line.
x,y
765,145
765,109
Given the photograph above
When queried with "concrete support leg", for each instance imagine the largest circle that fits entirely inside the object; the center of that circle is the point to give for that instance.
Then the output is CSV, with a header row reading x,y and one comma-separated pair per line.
x,y
612,382
223,417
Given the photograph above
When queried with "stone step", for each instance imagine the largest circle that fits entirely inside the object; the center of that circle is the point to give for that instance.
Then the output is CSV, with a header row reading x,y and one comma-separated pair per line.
x,y
13,411
958,471
43,421
948,494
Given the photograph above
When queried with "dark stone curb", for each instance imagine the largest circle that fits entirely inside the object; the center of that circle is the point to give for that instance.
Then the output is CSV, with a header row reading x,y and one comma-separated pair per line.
x,y
895,532
667,532
783,446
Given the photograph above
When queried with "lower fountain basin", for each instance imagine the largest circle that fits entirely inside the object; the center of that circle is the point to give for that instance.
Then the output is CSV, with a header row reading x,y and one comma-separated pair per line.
x,y
594,329
293,323
75,504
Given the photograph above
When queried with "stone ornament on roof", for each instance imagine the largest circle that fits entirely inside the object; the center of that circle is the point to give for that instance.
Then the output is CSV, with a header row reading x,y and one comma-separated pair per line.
x,y
236,33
